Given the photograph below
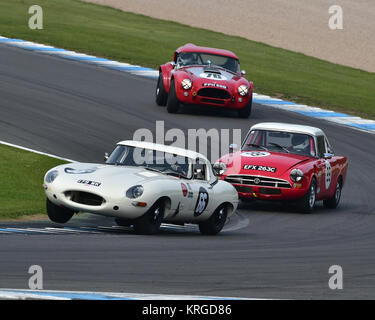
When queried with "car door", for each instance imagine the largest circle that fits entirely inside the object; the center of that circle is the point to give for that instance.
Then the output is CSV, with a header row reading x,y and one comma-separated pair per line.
x,y
201,189
324,168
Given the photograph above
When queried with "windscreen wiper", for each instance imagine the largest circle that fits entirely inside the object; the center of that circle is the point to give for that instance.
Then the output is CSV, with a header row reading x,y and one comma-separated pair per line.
x,y
256,146
279,146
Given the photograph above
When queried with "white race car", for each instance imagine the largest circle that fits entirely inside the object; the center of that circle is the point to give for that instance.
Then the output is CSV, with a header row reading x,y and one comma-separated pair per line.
x,y
143,184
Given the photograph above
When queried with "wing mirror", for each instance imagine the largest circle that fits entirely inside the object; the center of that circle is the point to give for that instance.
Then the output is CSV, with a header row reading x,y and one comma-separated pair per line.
x,y
106,156
243,72
233,148
327,155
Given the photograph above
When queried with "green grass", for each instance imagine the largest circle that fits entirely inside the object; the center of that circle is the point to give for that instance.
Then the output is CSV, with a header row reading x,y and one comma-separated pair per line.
x,y
21,179
138,39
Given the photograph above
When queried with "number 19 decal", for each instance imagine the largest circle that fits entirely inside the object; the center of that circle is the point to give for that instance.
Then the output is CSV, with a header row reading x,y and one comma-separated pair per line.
x,y
202,202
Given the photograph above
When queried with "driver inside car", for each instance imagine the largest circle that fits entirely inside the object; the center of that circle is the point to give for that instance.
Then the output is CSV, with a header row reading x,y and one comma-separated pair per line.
x,y
301,144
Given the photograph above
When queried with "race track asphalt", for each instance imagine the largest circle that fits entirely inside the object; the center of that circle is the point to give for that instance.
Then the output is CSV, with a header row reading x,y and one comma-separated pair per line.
x,y
79,111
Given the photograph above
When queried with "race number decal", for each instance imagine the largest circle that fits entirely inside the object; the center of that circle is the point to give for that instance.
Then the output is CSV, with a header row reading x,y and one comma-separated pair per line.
x,y
202,202
328,174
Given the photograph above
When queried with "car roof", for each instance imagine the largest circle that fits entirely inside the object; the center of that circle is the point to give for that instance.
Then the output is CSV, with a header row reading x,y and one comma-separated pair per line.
x,y
288,127
190,47
163,148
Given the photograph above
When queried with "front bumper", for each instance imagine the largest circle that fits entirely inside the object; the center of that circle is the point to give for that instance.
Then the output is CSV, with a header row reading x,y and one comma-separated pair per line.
x,y
119,207
269,193
193,96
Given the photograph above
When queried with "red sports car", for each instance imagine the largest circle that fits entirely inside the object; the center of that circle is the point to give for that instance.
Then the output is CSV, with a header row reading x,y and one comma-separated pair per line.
x,y
204,76
280,161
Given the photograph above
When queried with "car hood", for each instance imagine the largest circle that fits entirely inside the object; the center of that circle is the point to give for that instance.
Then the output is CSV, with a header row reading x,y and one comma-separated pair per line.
x,y
253,162
210,75
99,175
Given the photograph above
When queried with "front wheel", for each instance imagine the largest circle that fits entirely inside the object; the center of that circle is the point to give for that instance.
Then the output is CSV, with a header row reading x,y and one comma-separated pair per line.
x,y
246,111
58,214
215,223
150,222
161,95
172,101
307,202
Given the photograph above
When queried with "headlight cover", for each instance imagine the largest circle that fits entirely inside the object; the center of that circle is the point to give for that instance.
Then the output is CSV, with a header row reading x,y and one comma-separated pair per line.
x,y
51,176
78,171
243,90
296,175
134,192
220,167
186,84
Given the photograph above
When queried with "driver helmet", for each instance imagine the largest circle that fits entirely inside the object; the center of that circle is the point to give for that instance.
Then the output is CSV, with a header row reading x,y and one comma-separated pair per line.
x,y
300,141
186,58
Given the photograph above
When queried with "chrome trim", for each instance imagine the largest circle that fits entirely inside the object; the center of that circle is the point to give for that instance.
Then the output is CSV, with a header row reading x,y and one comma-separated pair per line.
x,y
250,180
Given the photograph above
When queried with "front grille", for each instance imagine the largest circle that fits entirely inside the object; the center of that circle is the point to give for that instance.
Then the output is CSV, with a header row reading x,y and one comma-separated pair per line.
x,y
212,101
258,181
214,93
86,198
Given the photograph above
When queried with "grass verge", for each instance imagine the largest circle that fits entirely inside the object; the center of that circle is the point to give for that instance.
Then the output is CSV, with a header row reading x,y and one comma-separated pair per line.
x,y
138,39
21,177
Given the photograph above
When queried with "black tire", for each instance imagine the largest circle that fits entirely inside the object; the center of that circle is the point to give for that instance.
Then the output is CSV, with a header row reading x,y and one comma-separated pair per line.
x,y
246,111
334,201
215,223
307,202
123,222
161,95
58,214
172,101
150,222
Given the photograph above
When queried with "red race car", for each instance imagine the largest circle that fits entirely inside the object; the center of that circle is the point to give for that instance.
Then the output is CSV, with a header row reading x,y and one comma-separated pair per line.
x,y
204,76
281,161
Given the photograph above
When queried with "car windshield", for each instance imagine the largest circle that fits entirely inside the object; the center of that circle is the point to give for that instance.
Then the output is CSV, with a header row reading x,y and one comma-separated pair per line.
x,y
288,142
199,58
152,160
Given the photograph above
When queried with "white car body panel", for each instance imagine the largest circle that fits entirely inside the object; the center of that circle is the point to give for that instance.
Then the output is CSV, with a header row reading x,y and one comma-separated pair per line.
x,y
111,183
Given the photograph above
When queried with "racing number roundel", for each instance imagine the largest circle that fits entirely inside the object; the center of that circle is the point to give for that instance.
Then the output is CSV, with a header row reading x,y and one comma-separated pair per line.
x,y
328,174
202,202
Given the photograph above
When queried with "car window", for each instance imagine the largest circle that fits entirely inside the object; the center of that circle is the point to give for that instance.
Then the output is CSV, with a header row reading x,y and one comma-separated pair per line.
x,y
198,58
288,142
200,172
321,146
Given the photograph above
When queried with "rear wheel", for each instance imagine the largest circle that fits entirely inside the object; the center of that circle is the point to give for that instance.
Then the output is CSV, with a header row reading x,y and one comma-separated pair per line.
x,y
334,201
150,222
246,111
307,203
172,101
58,214
161,95
215,223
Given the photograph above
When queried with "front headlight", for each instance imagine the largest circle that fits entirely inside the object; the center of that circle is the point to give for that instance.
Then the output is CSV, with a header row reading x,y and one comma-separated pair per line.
x,y
186,84
134,192
296,175
51,176
220,168
243,90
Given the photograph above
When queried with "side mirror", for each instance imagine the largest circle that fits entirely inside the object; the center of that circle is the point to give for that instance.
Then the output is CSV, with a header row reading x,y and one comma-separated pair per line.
x,y
106,156
327,155
233,147
243,72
